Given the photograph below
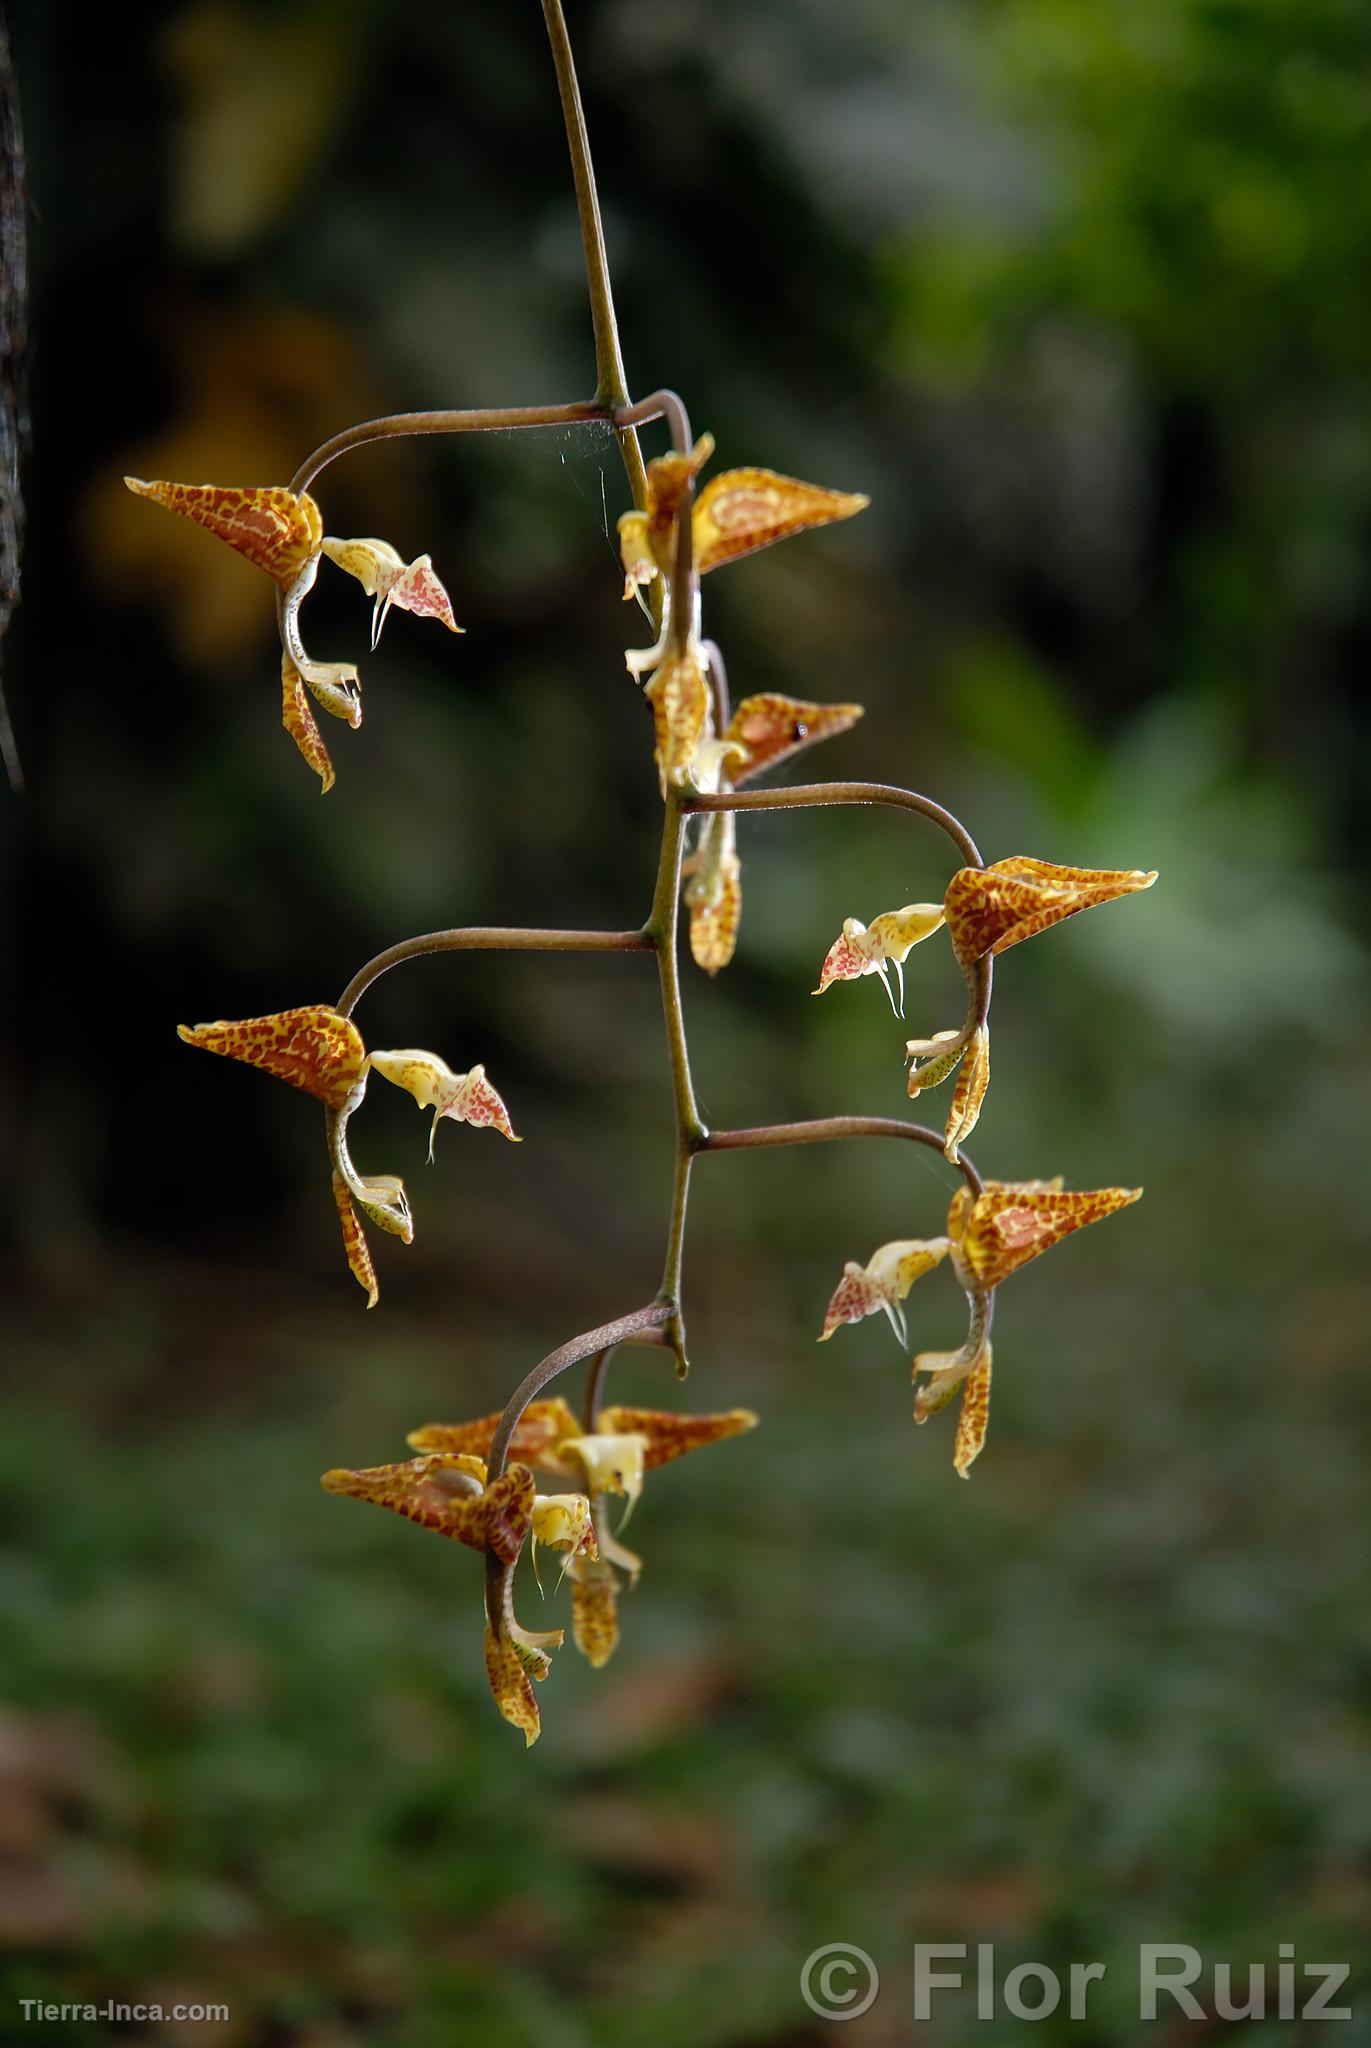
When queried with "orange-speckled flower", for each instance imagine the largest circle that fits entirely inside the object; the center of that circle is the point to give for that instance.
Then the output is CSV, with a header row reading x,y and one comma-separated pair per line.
x,y
989,1236
991,909
873,949
625,1444
447,1491
282,533
322,1052
736,513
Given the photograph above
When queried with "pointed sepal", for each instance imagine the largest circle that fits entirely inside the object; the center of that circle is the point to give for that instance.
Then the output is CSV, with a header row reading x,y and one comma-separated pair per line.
x,y
1006,1226
969,1093
542,1427
991,909
299,721
355,1246
741,510
770,728
594,1608
278,530
311,1048
667,1436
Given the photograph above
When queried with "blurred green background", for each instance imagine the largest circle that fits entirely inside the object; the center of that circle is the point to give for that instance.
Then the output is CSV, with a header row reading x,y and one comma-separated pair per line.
x,y
1077,291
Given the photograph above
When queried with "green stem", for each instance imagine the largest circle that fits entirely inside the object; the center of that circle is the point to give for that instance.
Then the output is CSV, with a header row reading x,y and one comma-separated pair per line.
x,y
611,388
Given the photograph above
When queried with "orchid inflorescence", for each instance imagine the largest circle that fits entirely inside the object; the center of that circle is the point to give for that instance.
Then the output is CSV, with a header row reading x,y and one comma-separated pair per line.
x,y
475,1482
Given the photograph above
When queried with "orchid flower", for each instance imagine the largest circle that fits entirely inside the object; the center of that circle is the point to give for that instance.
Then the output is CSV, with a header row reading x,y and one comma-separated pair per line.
x,y
282,532
448,1493
989,1236
318,1050
625,1444
735,514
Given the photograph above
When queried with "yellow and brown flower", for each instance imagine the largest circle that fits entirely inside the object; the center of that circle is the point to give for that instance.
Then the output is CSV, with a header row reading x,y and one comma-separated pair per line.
x,y
990,1235
316,1049
282,533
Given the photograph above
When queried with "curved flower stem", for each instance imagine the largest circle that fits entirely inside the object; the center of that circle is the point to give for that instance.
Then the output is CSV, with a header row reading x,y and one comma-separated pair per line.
x,y
804,796
659,405
471,420
489,938
599,1367
621,1331
822,1130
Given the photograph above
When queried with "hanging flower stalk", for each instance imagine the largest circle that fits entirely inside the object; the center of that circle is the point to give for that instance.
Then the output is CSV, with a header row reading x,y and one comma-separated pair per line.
x,y
477,1483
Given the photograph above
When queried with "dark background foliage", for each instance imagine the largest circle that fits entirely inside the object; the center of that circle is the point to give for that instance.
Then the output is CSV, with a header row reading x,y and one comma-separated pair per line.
x,y
1077,292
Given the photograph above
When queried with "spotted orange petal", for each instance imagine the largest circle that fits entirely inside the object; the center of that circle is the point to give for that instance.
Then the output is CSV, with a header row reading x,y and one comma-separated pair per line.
x,y
679,696
594,1608
991,909
742,510
669,1435
355,1244
771,728
299,721
1006,1226
969,1093
509,1669
312,1048
714,925
974,1419
714,894
277,529
543,1425
439,1493
509,1512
